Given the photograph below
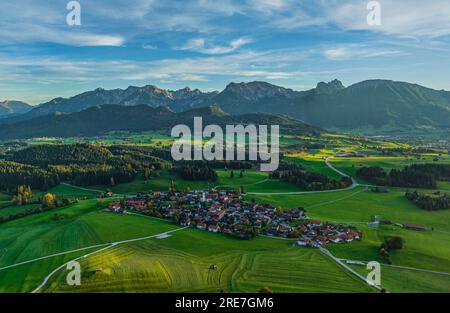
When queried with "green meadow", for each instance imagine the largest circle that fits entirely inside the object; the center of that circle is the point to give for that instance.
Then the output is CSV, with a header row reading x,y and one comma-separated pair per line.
x,y
242,265
191,260
197,261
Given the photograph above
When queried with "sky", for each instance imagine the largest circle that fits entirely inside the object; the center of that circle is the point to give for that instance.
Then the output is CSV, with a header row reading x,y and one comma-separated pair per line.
x,y
207,44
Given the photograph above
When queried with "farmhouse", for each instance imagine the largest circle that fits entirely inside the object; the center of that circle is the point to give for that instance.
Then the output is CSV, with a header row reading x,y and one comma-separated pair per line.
x,y
414,227
214,228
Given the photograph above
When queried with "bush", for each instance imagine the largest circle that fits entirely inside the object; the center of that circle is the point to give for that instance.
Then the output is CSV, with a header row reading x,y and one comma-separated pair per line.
x,y
394,243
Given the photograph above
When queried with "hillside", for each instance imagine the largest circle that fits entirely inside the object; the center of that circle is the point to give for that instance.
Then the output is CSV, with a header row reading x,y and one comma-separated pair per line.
x,y
8,108
375,103
99,120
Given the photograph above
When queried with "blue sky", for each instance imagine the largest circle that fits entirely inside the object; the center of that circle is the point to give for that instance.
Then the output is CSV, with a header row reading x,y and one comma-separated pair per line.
x,y
206,44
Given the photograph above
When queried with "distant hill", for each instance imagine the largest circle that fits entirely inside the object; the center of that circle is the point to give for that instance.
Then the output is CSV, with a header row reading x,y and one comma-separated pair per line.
x,y
376,105
8,108
99,120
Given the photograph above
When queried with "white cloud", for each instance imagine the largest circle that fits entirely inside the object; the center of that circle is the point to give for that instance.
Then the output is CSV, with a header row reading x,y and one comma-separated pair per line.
x,y
356,51
114,22
147,46
269,6
40,21
35,33
415,18
200,45
64,74
406,18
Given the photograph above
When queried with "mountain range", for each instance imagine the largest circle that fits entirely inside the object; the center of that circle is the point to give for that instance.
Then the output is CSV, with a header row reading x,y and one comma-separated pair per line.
x,y
98,120
179,100
376,105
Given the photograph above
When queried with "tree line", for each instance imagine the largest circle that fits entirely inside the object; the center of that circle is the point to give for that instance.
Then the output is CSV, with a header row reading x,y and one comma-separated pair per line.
x,y
297,175
434,202
414,176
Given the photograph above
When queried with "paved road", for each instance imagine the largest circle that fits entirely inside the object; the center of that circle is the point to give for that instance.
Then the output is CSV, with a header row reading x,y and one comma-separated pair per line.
x,y
404,267
327,162
348,268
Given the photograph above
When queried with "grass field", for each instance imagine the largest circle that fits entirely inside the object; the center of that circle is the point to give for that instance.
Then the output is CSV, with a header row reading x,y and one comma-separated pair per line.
x,y
84,225
314,163
10,210
182,263
429,250
158,139
396,280
73,191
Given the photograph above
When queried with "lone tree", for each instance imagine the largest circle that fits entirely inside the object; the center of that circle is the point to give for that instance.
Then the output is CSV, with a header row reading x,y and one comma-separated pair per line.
x,y
172,186
48,200
394,243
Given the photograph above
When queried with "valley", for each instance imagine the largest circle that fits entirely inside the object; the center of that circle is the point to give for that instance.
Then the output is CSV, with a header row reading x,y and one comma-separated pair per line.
x,y
35,245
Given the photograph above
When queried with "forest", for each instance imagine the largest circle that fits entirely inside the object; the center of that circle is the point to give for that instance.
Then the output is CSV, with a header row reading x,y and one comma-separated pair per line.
x,y
414,176
44,166
196,172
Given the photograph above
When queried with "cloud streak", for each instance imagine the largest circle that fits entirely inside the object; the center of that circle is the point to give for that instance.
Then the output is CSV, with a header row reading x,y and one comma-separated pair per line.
x,y
200,45
356,51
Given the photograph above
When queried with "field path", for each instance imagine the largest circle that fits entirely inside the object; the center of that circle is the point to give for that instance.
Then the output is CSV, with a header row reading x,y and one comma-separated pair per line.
x,y
117,195
327,162
252,184
81,188
109,245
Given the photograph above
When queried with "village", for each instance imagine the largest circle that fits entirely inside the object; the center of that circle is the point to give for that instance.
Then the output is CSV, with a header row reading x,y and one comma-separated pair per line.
x,y
226,212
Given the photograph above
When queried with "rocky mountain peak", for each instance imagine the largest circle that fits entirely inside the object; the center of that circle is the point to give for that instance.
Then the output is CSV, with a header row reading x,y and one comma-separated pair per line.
x,y
330,87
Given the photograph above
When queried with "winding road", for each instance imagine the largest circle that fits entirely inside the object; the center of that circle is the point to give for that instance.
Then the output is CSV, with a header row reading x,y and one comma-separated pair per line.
x,y
327,162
